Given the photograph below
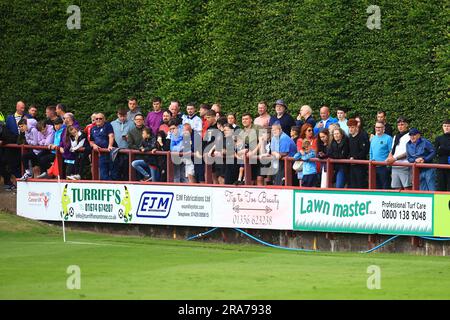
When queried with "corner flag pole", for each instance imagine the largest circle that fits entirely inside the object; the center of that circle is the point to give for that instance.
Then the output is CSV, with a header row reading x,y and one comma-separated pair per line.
x,y
62,215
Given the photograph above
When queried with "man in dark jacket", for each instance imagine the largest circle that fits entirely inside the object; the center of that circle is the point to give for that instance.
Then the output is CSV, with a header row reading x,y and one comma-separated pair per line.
x,y
420,150
282,116
305,116
6,137
442,145
358,150
134,136
13,156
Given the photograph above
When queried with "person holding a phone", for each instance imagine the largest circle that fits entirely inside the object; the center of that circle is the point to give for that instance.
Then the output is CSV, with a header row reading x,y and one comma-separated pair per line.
x,y
121,127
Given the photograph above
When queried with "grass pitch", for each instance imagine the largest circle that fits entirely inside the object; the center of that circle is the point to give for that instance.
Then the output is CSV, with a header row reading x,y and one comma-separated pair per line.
x,y
34,263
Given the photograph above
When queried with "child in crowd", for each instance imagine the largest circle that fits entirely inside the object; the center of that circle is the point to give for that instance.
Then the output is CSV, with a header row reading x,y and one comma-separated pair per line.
x,y
148,163
74,160
28,128
188,135
176,145
240,154
46,136
162,144
309,172
262,152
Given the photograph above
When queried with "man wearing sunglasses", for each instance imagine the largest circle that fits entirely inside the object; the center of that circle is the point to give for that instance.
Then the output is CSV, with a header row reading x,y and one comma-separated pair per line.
x,y
102,136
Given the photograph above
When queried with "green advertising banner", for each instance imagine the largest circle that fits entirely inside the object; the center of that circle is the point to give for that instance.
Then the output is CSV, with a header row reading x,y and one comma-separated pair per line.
x,y
364,212
442,215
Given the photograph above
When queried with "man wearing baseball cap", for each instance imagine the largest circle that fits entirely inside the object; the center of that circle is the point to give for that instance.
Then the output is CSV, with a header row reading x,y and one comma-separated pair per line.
x,y
401,176
420,150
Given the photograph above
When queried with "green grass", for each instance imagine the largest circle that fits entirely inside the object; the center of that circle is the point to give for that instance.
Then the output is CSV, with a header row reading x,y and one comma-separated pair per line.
x,y
34,261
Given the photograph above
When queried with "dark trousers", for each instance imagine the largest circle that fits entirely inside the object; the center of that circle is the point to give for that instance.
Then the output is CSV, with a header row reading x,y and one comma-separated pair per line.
x,y
13,158
45,160
199,170
358,176
309,180
70,169
5,171
231,173
29,160
383,178
443,179
78,166
120,168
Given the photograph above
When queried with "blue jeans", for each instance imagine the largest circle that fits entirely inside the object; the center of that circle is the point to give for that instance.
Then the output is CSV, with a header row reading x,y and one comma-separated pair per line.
x,y
427,180
106,165
179,173
145,170
340,178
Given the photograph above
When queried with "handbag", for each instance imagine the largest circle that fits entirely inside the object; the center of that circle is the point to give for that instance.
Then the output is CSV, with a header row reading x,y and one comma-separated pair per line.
x,y
297,166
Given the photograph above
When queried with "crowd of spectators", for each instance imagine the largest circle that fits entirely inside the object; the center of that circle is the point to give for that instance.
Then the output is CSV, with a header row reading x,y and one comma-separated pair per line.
x,y
211,137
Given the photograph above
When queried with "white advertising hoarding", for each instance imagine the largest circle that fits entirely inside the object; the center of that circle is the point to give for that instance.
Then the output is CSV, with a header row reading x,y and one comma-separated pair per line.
x,y
156,204
253,208
230,207
364,212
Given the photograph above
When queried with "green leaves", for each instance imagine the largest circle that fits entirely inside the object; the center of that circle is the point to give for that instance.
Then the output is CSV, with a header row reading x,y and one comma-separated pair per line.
x,y
233,51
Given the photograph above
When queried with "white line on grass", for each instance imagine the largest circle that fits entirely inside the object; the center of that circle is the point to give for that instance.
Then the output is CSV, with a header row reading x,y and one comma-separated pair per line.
x,y
97,244
71,242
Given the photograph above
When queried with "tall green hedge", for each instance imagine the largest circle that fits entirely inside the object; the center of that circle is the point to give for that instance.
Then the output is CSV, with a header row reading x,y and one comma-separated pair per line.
x,y
236,52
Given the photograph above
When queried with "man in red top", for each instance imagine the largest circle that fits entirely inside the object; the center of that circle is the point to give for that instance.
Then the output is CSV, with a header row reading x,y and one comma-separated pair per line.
x,y
203,109
88,128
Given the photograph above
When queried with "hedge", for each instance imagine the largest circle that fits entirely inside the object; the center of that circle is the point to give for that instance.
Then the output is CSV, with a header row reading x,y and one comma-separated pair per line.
x,y
234,52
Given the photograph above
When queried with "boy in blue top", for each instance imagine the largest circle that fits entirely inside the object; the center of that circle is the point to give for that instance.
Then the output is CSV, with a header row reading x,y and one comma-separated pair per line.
x,y
420,150
309,178
380,146
280,145
177,145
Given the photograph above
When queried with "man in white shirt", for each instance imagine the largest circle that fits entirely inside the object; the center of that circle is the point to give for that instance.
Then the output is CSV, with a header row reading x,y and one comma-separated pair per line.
x,y
192,118
342,119
401,176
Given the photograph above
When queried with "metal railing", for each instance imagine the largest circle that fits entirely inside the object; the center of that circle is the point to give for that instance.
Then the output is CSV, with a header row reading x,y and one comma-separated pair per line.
x,y
288,161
